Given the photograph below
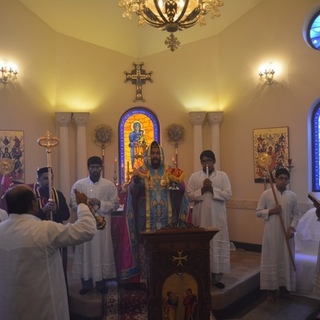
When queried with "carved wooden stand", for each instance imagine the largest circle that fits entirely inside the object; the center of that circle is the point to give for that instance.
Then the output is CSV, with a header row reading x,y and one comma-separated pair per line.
x,y
178,251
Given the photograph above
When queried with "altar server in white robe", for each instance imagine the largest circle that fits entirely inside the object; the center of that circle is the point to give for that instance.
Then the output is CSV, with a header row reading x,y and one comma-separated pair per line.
x,y
94,260
32,283
209,189
3,215
277,270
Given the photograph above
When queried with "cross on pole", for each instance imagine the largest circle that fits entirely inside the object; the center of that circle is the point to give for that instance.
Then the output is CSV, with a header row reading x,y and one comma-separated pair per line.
x,y
49,142
138,77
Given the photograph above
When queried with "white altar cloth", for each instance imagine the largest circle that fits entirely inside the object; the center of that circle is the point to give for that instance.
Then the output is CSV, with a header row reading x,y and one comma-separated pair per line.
x,y
306,251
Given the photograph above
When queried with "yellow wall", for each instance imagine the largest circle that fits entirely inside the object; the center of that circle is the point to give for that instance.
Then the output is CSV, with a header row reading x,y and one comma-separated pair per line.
x,y
61,74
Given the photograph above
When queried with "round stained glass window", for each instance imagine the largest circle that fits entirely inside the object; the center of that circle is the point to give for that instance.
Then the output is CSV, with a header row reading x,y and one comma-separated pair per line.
x,y
313,31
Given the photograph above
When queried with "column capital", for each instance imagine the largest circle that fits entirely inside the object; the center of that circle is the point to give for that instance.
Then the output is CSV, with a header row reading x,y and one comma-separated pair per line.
x,y
81,118
214,118
63,118
197,118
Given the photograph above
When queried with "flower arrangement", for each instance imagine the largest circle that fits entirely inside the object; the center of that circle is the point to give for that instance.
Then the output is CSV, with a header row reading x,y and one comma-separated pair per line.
x,y
175,174
142,173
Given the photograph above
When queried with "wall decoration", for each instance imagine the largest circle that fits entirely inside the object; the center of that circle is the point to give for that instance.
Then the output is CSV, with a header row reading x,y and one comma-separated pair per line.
x,y
138,127
102,136
275,143
12,154
138,76
175,135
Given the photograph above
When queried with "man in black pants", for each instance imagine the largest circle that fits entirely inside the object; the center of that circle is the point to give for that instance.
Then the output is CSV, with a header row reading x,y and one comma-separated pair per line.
x,y
57,207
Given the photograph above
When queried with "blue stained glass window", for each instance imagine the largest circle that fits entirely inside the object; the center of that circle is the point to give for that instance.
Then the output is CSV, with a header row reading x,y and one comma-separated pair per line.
x,y
313,32
132,144
316,149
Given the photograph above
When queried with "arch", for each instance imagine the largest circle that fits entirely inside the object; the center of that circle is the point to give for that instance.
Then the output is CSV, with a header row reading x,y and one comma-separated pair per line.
x,y
311,27
138,127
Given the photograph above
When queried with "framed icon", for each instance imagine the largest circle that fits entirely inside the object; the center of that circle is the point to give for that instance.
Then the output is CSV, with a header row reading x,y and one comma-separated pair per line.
x,y
274,143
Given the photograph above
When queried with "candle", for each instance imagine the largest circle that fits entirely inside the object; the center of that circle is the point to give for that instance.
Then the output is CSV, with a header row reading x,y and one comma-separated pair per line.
x,y
173,162
207,171
115,164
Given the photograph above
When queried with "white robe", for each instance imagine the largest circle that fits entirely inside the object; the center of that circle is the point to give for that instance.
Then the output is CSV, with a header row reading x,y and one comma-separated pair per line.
x,y
210,211
32,283
95,259
276,266
3,215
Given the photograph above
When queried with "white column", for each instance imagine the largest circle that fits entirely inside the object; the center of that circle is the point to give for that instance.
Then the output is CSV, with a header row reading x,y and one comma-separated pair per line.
x,y
81,118
64,119
197,119
214,119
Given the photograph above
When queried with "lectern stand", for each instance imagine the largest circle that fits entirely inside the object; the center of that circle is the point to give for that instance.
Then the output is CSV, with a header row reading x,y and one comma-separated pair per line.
x,y
178,271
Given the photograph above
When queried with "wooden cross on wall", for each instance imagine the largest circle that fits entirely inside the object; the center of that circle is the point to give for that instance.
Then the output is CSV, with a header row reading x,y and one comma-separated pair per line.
x,y
138,77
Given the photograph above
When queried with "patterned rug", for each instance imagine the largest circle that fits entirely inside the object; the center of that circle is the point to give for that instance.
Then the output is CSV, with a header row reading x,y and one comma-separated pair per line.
x,y
125,302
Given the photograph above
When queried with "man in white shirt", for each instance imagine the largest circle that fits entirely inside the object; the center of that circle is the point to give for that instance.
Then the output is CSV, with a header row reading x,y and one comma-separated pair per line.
x,y
94,260
31,273
279,209
210,189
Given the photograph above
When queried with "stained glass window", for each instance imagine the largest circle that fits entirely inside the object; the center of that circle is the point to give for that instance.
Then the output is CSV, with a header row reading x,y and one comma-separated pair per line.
x,y
316,148
313,32
138,127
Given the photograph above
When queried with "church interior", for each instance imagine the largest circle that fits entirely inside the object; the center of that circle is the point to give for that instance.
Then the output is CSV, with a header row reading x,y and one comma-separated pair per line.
x,y
75,63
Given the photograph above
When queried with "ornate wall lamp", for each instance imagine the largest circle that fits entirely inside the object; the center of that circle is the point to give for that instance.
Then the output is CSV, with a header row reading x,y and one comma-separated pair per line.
x,y
8,72
266,74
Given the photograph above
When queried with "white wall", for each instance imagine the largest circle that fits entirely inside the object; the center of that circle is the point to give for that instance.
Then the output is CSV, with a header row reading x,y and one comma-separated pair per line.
x,y
61,74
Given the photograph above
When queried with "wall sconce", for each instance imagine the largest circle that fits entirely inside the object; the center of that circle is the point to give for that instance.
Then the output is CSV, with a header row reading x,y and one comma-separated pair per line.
x,y
266,74
8,73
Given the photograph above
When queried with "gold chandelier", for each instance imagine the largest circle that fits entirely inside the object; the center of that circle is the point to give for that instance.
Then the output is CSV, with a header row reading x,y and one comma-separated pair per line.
x,y
171,15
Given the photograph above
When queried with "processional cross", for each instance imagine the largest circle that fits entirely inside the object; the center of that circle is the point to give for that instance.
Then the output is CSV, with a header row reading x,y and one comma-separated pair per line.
x,y
138,77
49,142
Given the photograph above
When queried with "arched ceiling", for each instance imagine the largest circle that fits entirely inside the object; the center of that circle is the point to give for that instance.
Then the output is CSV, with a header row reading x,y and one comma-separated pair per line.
x,y
100,22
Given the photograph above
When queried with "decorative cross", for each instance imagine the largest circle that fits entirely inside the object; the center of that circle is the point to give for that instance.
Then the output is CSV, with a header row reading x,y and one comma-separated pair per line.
x,y
48,142
180,258
138,76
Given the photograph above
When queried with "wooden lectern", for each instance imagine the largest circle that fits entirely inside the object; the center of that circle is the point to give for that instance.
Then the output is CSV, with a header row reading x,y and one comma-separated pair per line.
x,y
178,271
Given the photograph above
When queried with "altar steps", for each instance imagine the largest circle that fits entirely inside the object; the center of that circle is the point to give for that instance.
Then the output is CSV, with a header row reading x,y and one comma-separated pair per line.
x,y
243,280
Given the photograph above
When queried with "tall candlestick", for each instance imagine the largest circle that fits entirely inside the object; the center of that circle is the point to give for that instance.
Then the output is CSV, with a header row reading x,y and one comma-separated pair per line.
x,y
128,171
176,159
115,175
290,166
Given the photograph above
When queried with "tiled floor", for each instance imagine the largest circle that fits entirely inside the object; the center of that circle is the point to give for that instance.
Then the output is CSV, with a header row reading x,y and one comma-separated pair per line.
x,y
254,306
296,308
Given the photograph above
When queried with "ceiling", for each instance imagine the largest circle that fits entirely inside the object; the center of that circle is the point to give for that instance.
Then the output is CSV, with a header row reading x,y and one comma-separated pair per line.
x,y
100,22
